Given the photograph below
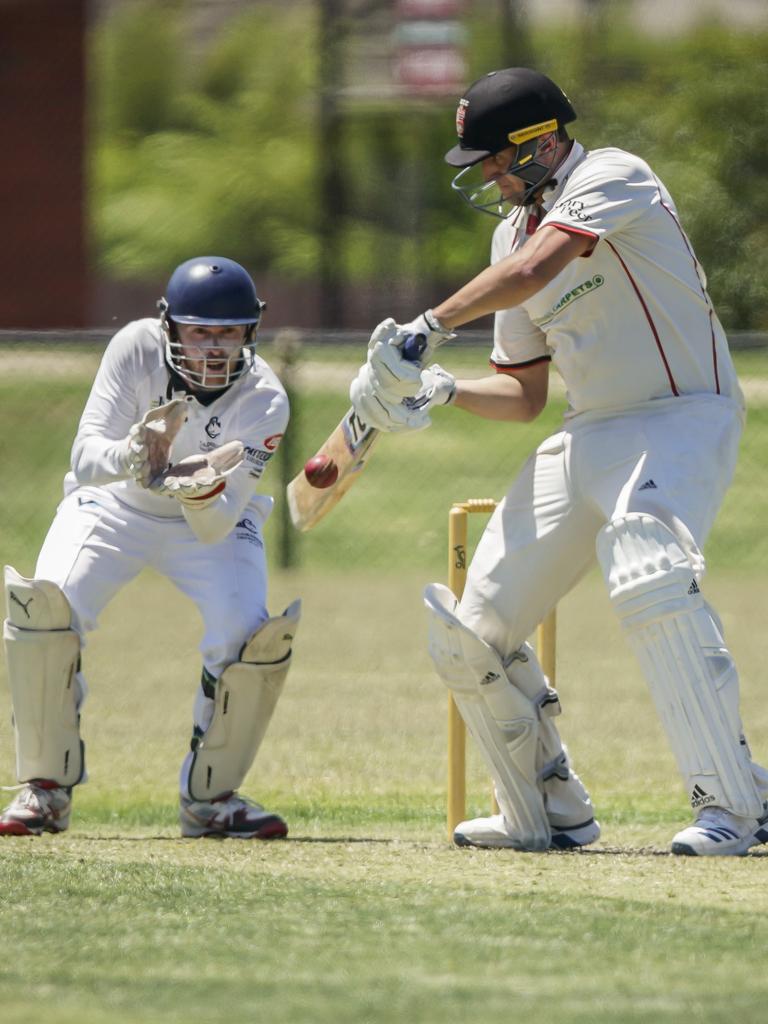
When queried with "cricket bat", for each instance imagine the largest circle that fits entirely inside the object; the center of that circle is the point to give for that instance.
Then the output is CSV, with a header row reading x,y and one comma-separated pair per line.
x,y
349,447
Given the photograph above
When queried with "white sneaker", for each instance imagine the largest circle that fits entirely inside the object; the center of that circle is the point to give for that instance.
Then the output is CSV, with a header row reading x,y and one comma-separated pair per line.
x,y
719,833
39,806
494,833
229,815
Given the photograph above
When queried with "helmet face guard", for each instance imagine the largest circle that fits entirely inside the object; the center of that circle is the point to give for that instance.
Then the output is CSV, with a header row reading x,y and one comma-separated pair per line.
x,y
534,162
210,291
211,375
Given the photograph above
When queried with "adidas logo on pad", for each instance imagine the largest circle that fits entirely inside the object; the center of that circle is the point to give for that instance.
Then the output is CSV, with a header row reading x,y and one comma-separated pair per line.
x,y
649,485
694,587
700,797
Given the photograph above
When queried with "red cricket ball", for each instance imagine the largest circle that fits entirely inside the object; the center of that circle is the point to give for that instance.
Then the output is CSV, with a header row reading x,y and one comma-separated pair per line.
x,y
321,471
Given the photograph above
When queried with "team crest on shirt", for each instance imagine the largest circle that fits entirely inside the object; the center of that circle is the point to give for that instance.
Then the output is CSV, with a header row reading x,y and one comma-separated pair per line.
x,y
213,427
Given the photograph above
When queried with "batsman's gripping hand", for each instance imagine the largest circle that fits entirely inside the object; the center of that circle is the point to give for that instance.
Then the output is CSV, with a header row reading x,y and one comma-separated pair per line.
x,y
148,444
389,374
430,328
199,479
392,417
438,387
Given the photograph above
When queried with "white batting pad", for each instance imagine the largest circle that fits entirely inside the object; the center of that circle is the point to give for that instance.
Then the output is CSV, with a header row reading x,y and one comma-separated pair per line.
x,y
502,720
689,670
35,604
246,695
42,654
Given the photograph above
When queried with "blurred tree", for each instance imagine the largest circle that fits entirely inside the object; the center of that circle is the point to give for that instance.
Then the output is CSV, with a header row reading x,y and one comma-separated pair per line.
x,y
220,151
228,165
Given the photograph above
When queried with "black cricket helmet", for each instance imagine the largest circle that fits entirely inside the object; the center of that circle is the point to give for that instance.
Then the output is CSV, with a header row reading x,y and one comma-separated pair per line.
x,y
514,107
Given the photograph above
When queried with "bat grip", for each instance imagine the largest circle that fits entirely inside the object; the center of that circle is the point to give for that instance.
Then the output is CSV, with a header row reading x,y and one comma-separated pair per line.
x,y
413,347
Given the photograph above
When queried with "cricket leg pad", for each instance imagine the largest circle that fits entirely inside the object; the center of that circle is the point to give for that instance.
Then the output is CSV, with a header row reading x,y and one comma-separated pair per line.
x,y
566,801
43,655
502,720
688,668
245,696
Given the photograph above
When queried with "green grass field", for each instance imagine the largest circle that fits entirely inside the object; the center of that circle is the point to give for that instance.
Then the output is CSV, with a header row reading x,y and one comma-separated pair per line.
x,y
367,914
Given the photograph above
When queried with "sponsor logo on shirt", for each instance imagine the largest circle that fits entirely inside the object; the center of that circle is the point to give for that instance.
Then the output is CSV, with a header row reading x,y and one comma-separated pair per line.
x,y
573,208
590,285
246,529
271,442
258,458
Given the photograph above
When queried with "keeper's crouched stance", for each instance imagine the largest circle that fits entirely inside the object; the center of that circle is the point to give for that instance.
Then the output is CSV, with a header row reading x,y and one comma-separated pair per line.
x,y
181,421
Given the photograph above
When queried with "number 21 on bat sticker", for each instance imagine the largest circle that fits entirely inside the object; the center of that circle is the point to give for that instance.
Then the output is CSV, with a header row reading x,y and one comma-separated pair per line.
x,y
355,430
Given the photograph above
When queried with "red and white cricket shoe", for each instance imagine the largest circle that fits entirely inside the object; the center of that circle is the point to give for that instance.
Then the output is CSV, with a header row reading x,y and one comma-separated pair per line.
x,y
229,815
39,806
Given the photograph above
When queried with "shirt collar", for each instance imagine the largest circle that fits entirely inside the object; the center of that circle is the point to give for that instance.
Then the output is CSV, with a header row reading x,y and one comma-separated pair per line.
x,y
562,174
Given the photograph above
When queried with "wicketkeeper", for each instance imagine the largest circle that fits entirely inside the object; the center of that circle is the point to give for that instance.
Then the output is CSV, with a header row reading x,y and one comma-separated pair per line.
x,y
180,424
591,269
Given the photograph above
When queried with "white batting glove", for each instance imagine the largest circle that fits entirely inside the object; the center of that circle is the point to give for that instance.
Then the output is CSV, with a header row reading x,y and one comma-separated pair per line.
x,y
430,328
199,479
391,417
388,374
146,449
438,387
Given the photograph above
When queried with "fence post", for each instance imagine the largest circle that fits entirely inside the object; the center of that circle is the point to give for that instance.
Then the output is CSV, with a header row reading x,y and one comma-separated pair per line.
x,y
287,346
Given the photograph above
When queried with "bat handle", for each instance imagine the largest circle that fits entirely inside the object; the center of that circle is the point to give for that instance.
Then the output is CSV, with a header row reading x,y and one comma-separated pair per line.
x,y
413,347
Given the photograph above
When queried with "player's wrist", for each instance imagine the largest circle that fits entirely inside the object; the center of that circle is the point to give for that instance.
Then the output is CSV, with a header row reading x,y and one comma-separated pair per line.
x,y
435,324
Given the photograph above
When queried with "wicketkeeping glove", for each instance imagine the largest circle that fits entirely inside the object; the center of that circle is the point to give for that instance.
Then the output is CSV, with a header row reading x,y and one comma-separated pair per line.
x,y
146,452
199,479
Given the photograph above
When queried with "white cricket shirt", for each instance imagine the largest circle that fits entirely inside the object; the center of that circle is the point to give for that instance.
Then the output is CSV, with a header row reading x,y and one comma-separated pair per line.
x,y
631,322
134,377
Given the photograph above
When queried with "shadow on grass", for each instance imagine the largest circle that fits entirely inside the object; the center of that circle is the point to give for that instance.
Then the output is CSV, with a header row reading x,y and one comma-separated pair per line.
x,y
604,851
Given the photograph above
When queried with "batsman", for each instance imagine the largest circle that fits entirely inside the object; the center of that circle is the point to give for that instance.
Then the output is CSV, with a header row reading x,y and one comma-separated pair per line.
x,y
182,420
592,270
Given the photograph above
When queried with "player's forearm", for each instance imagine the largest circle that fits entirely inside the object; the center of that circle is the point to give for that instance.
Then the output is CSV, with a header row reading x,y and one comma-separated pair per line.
x,y
498,287
498,398
99,460
212,523
513,279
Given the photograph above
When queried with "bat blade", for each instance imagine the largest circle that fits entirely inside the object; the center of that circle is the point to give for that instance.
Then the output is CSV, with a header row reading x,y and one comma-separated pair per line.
x,y
349,446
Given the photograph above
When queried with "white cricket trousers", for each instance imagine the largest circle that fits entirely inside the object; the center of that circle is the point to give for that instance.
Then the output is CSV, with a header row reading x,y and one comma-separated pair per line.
x,y
674,462
96,545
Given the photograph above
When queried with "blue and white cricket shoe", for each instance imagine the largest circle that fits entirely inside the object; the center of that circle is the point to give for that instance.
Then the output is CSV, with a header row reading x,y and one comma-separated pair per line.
x,y
719,833
494,833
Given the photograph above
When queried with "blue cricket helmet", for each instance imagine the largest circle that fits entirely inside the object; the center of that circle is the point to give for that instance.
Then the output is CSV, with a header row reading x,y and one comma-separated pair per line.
x,y
213,291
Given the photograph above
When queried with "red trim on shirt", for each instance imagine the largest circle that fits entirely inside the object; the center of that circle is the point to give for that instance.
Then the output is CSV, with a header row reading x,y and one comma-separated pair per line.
x,y
569,229
714,351
707,300
511,367
648,317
